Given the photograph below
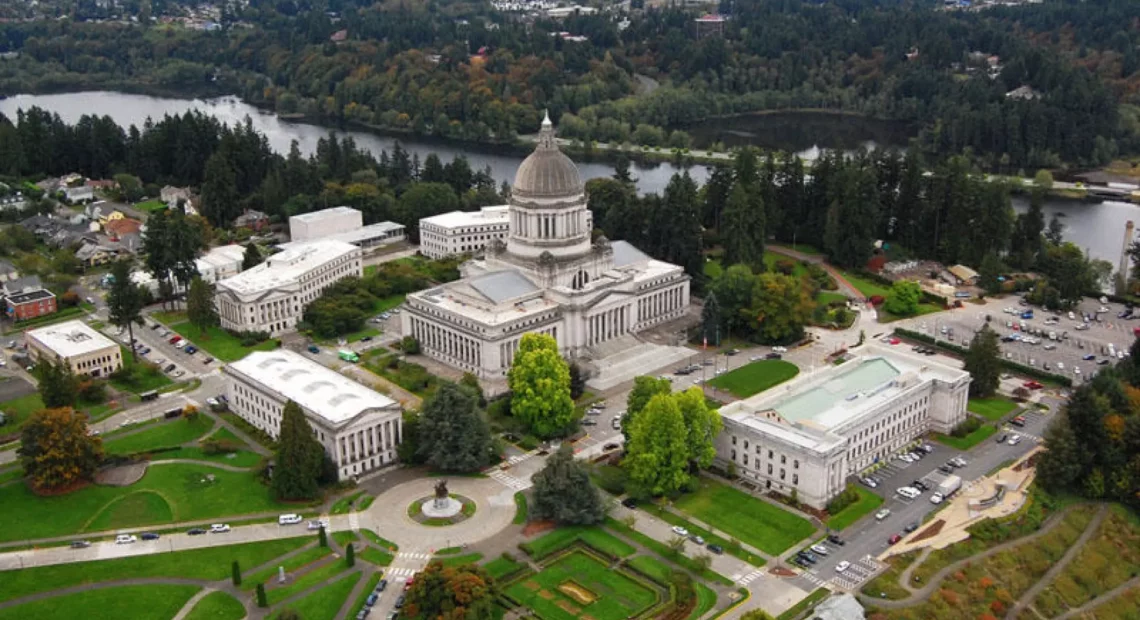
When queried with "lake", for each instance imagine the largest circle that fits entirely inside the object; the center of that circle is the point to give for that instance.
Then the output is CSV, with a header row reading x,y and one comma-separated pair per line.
x,y
1098,228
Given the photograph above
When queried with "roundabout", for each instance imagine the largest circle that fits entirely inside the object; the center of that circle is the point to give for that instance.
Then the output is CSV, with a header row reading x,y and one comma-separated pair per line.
x,y
442,509
407,513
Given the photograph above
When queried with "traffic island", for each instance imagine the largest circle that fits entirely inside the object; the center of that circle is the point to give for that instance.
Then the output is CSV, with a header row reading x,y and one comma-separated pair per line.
x,y
439,512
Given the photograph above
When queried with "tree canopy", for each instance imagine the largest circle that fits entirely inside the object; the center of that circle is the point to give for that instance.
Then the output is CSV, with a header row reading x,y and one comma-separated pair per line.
x,y
983,362
463,592
452,434
200,308
564,493
657,454
56,449
299,458
903,298
540,386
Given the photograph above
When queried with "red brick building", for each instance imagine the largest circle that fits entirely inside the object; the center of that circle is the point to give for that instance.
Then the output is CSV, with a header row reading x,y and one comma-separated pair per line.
x,y
29,305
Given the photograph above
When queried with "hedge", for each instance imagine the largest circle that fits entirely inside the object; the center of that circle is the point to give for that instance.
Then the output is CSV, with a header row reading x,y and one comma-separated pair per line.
x,y
1028,371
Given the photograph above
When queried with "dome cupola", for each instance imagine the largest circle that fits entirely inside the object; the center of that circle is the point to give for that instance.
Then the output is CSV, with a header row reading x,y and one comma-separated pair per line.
x,y
547,173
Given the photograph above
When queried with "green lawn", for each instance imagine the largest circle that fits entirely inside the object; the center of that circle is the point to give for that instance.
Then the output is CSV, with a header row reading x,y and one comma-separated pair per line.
x,y
217,606
306,580
824,298
706,600
593,536
501,567
865,287
164,435
752,521
992,409
210,564
459,560
521,510
365,592
618,596
150,206
216,341
867,504
652,567
149,602
755,377
969,441
304,558
380,542
375,556
710,538
167,493
326,602
241,458
144,375
666,552
19,410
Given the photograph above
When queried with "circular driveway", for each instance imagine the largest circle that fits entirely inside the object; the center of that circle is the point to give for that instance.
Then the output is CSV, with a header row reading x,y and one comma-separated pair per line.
x,y
388,514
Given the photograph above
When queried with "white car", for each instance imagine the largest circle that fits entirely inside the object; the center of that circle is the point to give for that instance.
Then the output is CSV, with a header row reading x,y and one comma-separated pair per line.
x,y
906,458
219,528
213,402
842,566
908,492
126,539
936,498
1076,370
317,523
289,519
1101,310
680,531
1016,439
820,549
180,344
882,514
779,349
1072,317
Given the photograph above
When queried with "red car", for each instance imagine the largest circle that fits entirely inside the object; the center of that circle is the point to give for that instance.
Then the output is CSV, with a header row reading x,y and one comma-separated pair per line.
x,y
1019,421
1033,385
894,538
895,341
175,339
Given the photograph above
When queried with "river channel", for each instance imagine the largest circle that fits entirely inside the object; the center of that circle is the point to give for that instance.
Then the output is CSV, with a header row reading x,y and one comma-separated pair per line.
x,y
1098,228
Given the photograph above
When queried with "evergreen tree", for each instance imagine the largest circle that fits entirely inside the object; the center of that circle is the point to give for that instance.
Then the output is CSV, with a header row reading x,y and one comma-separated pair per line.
x,y
125,300
621,169
676,229
261,600
322,537
219,191
252,256
710,320
58,386
349,556
235,573
988,273
452,434
299,457
983,362
540,386
200,307
564,493
577,381
1055,233
715,192
744,228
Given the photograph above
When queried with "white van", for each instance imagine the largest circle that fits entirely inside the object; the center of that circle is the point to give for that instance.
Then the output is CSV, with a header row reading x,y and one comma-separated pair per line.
x,y
289,519
125,539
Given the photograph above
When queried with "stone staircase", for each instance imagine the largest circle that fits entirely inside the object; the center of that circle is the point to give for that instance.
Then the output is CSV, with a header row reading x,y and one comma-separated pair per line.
x,y
621,359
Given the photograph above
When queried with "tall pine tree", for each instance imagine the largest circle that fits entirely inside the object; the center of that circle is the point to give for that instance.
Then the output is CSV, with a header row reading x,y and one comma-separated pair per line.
x,y
299,457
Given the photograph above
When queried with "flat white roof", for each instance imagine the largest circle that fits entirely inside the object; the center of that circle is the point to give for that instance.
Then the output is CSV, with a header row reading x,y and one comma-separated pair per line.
x,y
221,256
316,216
285,268
71,338
320,390
370,231
456,219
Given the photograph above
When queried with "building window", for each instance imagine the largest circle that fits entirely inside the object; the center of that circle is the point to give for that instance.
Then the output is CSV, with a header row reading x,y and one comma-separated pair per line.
x,y
783,474
795,478
796,464
746,460
769,469
734,440
734,455
783,459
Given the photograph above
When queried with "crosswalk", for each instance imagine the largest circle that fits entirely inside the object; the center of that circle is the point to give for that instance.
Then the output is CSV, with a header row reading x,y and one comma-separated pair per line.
x,y
408,556
744,580
400,572
509,481
519,458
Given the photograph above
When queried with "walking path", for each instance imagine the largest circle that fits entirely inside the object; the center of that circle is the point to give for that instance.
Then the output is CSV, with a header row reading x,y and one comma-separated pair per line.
x,y
931,586
850,291
185,611
904,578
1100,600
220,466
1047,579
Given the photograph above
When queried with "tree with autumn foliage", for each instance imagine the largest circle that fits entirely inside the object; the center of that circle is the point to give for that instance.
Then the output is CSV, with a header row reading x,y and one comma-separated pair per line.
x,y
464,592
57,450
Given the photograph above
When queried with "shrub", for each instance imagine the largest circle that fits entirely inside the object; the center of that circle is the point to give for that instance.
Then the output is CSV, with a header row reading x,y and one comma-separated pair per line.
x,y
843,500
998,608
877,300
969,425
249,339
785,266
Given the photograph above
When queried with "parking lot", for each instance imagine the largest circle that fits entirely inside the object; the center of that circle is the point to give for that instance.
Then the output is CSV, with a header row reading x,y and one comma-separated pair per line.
x,y
1064,356
163,353
869,537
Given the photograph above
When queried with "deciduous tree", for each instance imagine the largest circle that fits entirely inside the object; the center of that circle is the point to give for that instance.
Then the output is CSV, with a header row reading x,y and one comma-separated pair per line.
x,y
903,298
57,450
702,425
252,256
299,457
452,434
464,592
200,308
644,389
656,453
540,386
564,493
781,306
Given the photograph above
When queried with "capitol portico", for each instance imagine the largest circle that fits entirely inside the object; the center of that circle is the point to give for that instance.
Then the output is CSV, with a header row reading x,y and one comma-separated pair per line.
x,y
549,277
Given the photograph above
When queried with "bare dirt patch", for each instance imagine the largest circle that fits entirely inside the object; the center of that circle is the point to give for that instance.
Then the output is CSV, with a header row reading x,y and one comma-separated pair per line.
x,y
780,571
569,607
531,584
933,530
580,594
546,594
537,527
122,475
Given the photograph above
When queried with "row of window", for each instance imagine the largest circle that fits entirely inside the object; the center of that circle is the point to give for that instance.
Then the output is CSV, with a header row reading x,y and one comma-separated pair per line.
x,y
760,451
783,471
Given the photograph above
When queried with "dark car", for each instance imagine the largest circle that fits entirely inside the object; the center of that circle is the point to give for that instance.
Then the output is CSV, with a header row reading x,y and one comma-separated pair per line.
x,y
773,356
191,349
383,584
366,339
589,422
717,549
1102,362
149,536
732,352
400,601
371,600
170,368
946,469
801,562
196,531
919,484
611,446
1002,438
836,540
911,527
807,556
629,502
363,613
208,360
80,544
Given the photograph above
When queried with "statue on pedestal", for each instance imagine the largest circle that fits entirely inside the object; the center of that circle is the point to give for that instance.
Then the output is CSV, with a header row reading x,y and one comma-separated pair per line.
x,y
441,494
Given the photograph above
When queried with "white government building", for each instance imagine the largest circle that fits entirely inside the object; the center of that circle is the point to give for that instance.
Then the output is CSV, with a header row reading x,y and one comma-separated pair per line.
x,y
811,433
74,343
546,277
358,427
459,232
272,296
343,224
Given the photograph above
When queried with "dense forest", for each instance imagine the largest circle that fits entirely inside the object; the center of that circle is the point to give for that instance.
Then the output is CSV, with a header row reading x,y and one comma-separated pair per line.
x,y
461,70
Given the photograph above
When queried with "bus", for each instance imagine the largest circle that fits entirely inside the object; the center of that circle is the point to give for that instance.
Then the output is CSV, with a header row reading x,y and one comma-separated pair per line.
x,y
151,395
348,356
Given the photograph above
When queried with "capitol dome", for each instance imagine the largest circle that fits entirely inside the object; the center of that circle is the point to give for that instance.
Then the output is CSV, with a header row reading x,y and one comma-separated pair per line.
x,y
547,172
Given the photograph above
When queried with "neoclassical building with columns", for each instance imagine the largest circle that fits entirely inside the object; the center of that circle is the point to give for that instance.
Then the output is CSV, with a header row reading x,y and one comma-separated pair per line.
x,y
548,276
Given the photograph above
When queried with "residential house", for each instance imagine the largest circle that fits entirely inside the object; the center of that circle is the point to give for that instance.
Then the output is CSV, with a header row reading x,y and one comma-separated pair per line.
x,y
253,220
13,202
172,196
94,254
26,298
963,274
1025,93
122,226
78,194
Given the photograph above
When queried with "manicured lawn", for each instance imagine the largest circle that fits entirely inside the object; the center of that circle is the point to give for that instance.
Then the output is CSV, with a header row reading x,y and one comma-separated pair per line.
x,y
560,538
664,551
365,592
307,580
521,509
150,206
982,433
865,287
19,410
755,377
824,298
326,602
164,435
344,504
652,567
459,560
210,564
500,567
710,538
375,556
241,458
992,409
216,341
345,537
304,558
380,542
617,596
706,600
751,521
149,602
144,375
173,492
217,606
867,504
